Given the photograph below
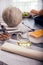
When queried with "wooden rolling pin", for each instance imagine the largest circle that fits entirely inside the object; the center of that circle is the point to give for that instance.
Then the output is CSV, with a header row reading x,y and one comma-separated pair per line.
x,y
22,51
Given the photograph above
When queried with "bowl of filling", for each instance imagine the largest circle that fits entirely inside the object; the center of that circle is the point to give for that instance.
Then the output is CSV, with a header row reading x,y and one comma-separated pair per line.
x,y
24,43
39,20
26,15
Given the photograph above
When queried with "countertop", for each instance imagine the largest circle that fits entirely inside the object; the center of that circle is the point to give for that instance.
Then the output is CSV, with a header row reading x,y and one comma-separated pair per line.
x,y
14,59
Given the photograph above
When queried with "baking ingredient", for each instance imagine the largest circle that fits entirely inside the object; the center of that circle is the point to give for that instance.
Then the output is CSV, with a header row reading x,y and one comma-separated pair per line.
x,y
24,43
25,14
36,33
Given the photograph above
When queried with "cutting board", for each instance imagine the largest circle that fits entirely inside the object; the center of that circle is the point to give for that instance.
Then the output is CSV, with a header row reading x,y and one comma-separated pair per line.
x,y
22,51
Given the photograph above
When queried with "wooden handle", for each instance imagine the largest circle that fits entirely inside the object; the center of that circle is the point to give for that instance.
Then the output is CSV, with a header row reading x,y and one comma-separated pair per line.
x,y
22,51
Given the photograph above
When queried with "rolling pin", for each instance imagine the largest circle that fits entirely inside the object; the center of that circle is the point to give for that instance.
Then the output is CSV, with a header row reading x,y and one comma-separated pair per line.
x,y
22,51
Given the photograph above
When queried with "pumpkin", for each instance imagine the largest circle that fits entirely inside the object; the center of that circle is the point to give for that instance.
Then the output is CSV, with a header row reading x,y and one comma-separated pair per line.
x,y
12,16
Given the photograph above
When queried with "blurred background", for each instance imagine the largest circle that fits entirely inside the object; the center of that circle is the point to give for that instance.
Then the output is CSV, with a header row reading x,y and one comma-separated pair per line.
x,y
23,5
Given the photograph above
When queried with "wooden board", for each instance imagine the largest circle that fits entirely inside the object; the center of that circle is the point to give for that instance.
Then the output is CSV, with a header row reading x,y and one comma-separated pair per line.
x,y
22,51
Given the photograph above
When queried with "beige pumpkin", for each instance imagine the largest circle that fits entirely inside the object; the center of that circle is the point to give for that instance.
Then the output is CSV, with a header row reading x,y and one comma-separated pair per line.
x,y
12,16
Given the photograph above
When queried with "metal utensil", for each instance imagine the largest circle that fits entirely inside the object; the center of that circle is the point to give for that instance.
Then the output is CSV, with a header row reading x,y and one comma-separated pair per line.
x,y
28,27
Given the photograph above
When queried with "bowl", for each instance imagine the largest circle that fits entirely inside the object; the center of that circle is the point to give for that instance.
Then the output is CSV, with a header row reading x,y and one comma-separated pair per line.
x,y
39,20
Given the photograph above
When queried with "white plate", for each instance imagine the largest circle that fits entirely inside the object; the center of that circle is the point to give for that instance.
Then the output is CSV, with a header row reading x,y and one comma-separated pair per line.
x,y
36,40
